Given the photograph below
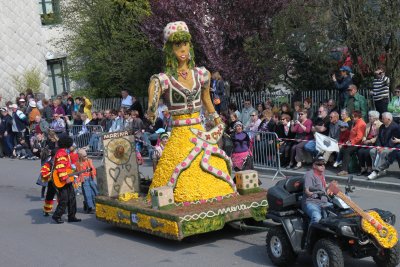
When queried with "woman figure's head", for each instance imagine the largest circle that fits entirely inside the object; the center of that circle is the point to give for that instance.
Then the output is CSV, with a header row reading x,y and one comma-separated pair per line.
x,y
297,106
285,119
56,102
373,116
135,114
285,107
178,47
275,117
303,115
238,127
260,107
356,115
216,76
267,114
344,114
233,117
307,103
70,100
164,137
232,107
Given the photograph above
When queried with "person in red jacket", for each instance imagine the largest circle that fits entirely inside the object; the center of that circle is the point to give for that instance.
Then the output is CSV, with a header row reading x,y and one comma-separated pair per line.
x,y
355,138
66,194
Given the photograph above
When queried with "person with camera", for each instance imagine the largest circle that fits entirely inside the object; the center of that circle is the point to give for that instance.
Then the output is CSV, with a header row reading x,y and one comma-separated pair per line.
x,y
380,90
342,83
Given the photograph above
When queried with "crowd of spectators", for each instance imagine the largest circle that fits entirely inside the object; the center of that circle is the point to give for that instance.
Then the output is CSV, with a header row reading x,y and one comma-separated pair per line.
x,y
368,136
29,125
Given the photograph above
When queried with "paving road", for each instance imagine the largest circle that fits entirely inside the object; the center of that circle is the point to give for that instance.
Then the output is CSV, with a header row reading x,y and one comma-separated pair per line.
x,y
28,239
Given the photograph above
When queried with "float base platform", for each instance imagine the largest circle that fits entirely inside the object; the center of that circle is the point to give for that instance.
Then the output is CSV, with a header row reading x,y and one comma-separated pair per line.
x,y
178,222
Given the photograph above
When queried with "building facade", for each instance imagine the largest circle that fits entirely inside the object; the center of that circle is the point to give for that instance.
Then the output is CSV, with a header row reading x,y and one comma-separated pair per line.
x,y
29,31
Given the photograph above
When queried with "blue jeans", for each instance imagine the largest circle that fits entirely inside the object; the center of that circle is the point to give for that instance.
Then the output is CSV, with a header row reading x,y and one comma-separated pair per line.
x,y
315,211
89,188
311,147
147,138
8,142
94,142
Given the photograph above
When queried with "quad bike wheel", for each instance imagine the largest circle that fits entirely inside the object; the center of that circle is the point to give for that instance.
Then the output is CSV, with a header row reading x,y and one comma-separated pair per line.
x,y
327,253
279,249
388,257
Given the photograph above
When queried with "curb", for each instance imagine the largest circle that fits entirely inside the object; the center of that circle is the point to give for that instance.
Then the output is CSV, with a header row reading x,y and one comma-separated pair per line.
x,y
374,184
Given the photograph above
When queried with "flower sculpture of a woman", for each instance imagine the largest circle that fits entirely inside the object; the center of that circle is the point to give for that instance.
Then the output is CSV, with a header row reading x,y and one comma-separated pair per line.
x,y
191,162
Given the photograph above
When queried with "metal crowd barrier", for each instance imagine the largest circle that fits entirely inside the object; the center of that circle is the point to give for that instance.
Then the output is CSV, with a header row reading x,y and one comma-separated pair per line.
x,y
266,151
88,136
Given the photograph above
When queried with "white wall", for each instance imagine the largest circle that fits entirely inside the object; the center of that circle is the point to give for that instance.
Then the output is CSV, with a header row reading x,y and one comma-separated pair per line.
x,y
24,43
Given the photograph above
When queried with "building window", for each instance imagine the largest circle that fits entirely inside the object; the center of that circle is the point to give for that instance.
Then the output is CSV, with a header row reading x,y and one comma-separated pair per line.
x,y
50,12
58,76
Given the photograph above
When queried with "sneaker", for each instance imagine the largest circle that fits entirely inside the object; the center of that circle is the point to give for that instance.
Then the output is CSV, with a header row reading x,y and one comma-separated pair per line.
x,y
42,198
373,175
337,164
22,157
298,166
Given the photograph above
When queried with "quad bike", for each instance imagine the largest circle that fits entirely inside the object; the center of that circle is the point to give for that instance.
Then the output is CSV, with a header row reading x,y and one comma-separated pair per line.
x,y
341,230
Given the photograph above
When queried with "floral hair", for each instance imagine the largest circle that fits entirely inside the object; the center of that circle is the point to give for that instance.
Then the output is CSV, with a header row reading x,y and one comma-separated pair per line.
x,y
171,62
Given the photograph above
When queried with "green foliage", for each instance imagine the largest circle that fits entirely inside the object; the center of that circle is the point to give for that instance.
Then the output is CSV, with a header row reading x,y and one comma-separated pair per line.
x,y
302,45
106,47
203,225
30,79
300,48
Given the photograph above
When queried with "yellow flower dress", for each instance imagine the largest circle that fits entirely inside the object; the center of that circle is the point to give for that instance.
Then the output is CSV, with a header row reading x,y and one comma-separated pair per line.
x,y
191,162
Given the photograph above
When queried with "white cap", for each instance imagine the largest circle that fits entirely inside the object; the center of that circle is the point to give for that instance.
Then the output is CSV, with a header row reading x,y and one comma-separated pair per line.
x,y
32,104
13,106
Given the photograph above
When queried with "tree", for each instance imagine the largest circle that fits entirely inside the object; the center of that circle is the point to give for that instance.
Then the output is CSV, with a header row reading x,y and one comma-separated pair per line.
x,y
219,29
299,45
107,49
31,79
370,29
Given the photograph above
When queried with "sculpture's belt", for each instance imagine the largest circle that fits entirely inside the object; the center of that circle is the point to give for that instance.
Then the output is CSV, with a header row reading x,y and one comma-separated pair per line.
x,y
186,122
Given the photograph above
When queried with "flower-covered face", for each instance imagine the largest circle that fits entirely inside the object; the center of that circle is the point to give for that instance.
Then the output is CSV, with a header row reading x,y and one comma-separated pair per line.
x,y
181,51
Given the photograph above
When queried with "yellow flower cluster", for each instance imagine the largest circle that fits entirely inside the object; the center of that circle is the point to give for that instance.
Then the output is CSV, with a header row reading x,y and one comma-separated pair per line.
x,y
113,214
390,240
159,225
128,196
193,183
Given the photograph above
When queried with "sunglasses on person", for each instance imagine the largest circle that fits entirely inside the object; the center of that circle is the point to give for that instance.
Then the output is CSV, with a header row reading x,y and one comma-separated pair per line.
x,y
320,164
253,115
301,114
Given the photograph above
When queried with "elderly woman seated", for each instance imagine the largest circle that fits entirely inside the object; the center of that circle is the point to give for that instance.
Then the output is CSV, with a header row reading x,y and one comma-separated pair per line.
x,y
369,139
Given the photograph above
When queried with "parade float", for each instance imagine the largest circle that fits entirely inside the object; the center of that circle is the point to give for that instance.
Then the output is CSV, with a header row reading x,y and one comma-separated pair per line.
x,y
192,190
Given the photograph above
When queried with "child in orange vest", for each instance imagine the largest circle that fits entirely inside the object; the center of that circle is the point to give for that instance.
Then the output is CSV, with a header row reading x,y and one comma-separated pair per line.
x,y
88,179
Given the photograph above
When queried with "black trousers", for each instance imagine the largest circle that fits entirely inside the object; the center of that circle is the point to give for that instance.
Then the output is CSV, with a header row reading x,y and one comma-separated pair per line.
x,y
51,191
381,106
364,157
66,198
347,153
